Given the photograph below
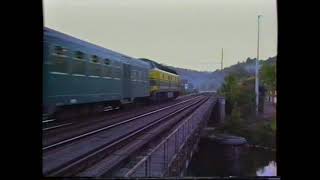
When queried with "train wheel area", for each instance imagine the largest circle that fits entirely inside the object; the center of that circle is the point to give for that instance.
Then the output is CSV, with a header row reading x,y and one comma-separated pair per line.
x,y
71,112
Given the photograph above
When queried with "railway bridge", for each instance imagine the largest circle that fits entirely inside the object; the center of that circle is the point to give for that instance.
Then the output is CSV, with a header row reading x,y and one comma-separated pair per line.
x,y
159,142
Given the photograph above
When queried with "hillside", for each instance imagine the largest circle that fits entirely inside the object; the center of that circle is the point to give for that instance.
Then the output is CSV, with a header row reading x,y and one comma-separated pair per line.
x,y
213,80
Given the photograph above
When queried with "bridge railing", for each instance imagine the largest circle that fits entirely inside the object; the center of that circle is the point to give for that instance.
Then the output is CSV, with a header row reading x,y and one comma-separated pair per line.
x,y
159,159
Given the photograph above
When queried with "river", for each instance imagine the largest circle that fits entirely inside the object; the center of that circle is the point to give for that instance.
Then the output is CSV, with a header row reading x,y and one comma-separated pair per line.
x,y
211,160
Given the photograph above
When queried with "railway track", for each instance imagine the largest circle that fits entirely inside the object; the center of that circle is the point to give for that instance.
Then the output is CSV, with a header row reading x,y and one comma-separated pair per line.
x,y
52,123
69,140
75,154
56,133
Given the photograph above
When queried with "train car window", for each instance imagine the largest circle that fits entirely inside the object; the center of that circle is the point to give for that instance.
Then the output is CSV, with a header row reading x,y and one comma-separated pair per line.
x,y
79,64
59,60
117,72
58,50
79,55
95,59
78,67
141,75
113,72
107,72
144,76
107,61
132,75
138,75
94,69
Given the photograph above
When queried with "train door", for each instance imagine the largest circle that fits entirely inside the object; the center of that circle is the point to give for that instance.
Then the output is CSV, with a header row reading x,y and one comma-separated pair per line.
x,y
126,86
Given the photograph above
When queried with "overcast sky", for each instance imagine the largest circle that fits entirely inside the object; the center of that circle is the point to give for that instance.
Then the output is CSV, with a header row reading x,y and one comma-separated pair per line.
x,y
182,33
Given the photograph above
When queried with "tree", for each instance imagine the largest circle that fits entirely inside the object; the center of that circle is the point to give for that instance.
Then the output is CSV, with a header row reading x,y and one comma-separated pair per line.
x,y
246,96
230,89
268,77
239,93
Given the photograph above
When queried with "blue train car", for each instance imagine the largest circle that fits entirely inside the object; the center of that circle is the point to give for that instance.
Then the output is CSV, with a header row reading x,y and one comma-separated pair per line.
x,y
77,73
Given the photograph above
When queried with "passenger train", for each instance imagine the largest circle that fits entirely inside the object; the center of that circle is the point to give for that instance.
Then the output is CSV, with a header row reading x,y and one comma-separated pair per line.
x,y
81,78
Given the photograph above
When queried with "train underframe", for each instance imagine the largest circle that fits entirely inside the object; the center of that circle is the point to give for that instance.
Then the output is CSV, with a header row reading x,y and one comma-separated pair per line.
x,y
161,96
80,110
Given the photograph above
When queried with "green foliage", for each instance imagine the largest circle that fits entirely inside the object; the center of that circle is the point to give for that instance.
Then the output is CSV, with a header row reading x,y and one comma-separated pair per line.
x,y
273,124
234,123
239,72
246,98
239,90
259,134
236,114
239,93
268,76
230,88
264,135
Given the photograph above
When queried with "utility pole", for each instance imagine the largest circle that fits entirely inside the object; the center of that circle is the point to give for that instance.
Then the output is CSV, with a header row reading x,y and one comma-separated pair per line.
x,y
222,60
257,70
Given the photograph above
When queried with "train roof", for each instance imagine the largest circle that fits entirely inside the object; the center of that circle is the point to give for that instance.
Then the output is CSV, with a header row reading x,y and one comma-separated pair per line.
x,y
159,66
95,49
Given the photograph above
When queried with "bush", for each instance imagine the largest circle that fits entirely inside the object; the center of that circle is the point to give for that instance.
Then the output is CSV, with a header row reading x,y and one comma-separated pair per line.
x,y
234,123
273,124
239,93
260,133
241,98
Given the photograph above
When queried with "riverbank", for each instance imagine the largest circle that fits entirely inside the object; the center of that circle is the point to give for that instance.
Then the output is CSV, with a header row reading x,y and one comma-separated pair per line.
x,y
259,132
257,157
